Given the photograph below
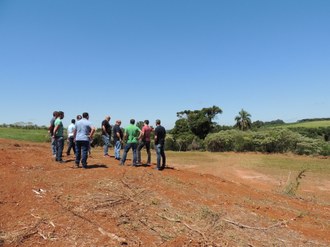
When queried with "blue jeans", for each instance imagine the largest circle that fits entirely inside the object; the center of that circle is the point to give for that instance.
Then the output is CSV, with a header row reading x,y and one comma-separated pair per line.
x,y
59,143
53,145
117,149
82,148
160,155
71,145
106,144
127,148
141,145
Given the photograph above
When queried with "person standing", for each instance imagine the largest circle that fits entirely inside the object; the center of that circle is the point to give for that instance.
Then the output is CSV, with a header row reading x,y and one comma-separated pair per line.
x,y
117,138
58,136
83,133
51,133
160,134
106,135
145,141
132,134
71,142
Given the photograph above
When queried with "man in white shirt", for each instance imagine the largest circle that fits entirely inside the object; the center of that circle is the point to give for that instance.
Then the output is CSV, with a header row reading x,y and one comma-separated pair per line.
x,y
71,143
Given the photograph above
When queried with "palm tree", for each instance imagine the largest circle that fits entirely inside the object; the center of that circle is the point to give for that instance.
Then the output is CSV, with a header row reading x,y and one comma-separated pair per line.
x,y
243,120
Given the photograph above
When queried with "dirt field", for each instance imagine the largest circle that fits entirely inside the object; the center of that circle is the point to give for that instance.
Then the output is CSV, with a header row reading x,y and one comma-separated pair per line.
x,y
44,203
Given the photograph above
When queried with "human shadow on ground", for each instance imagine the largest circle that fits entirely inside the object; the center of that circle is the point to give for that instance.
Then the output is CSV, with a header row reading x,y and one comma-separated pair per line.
x,y
93,166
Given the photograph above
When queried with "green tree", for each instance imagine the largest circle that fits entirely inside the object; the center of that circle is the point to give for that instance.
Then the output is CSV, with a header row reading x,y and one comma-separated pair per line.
x,y
243,120
199,122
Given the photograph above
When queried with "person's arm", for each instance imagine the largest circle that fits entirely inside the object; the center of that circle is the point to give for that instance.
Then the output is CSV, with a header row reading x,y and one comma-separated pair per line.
x,y
118,135
74,134
156,137
55,129
91,134
104,130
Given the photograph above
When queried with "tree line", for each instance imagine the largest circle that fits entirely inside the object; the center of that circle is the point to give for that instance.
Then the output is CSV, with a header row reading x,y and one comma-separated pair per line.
x,y
197,130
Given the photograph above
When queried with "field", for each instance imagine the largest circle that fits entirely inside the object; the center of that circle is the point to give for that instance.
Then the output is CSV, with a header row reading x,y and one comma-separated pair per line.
x,y
201,199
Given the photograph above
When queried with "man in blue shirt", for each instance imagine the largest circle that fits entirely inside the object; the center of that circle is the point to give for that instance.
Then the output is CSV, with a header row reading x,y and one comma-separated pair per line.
x,y
83,133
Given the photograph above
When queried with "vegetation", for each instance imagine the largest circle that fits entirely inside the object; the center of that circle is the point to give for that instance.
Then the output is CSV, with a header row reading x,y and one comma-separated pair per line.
x,y
196,130
26,134
243,120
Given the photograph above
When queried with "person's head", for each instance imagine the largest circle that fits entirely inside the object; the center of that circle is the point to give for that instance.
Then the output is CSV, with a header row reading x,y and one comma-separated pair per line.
x,y
146,122
118,122
107,118
55,113
157,122
73,121
132,121
85,115
60,114
79,117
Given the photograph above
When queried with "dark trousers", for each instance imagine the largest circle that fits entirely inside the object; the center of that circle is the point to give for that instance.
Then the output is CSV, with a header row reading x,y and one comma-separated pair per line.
x,y
161,158
82,148
141,145
71,145
59,144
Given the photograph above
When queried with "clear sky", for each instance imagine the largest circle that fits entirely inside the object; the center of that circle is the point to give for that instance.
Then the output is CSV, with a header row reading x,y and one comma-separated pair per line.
x,y
149,59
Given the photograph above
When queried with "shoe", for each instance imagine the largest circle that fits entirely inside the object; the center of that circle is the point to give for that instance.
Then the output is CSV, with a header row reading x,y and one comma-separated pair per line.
x,y
106,155
61,161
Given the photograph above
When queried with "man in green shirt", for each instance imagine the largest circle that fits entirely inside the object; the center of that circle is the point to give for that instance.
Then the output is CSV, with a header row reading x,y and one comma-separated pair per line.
x,y
132,134
58,136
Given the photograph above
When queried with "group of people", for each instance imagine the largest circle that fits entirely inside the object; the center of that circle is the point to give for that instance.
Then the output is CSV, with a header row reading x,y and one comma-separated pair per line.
x,y
80,133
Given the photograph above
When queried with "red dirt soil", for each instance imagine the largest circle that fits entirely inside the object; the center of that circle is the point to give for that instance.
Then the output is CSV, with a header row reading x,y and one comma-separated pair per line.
x,y
44,203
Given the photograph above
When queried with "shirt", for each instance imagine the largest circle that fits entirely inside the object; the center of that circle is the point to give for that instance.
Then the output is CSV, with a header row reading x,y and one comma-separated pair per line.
x,y
146,133
83,129
107,127
132,133
59,132
117,129
71,129
160,132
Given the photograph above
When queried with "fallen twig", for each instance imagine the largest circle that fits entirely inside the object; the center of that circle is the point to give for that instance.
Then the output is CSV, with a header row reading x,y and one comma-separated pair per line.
x,y
113,236
189,227
255,228
169,219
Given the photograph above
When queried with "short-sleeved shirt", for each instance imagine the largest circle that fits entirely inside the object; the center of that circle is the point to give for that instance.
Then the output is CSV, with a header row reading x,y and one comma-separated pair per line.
x,y
107,127
83,129
132,133
146,133
117,129
160,132
52,126
59,132
71,129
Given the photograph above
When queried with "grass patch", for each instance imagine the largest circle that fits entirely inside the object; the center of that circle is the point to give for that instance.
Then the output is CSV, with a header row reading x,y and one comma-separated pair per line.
x,y
33,135
311,124
274,163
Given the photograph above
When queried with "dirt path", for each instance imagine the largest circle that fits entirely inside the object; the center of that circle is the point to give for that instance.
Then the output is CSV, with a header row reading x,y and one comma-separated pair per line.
x,y
43,203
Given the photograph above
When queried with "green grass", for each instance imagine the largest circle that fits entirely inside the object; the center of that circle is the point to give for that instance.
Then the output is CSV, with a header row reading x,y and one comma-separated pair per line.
x,y
274,163
33,135
311,124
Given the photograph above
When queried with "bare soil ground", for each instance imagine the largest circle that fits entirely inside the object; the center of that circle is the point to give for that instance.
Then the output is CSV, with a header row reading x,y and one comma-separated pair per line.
x,y
44,203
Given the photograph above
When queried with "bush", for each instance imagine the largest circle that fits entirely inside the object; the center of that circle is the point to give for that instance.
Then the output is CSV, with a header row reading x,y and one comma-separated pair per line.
x,y
221,141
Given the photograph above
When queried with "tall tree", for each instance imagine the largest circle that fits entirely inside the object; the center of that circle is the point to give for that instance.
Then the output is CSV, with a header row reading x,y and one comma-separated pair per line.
x,y
200,121
243,120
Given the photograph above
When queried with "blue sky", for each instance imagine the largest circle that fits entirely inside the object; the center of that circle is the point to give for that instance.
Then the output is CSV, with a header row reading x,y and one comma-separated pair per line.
x,y
151,59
